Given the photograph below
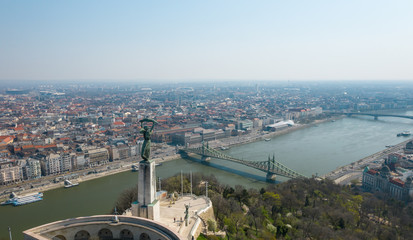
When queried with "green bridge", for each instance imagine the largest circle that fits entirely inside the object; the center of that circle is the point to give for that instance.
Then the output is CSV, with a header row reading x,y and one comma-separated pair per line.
x,y
271,167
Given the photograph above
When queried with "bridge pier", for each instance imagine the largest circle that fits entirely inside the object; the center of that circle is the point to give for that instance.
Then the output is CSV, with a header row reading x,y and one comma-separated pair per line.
x,y
271,177
205,159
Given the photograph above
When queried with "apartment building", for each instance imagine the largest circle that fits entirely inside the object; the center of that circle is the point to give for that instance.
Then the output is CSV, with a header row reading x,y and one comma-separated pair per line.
x,y
10,174
33,169
98,156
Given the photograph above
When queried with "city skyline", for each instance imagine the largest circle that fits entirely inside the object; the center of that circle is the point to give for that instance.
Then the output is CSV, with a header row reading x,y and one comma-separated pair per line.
x,y
201,41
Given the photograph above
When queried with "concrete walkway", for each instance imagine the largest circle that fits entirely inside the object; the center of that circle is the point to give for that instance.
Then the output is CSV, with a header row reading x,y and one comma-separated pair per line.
x,y
176,211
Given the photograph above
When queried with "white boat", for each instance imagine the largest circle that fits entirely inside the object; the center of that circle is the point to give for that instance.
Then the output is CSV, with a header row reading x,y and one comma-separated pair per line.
x,y
224,148
69,184
21,200
404,134
267,139
135,167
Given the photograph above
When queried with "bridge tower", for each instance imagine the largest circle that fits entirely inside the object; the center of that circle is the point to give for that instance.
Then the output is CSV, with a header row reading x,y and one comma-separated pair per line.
x,y
204,149
270,167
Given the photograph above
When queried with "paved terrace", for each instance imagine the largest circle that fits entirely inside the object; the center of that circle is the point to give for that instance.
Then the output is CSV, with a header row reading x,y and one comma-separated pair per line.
x,y
176,211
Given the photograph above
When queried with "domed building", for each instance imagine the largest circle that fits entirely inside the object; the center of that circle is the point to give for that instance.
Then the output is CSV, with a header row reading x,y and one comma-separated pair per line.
x,y
409,148
381,180
409,186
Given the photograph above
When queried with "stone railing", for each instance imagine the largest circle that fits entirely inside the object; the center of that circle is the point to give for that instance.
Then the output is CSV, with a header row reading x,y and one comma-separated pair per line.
x,y
202,214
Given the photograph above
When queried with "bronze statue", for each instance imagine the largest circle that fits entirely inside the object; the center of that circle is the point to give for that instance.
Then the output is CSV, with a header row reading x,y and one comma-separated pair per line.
x,y
146,147
186,214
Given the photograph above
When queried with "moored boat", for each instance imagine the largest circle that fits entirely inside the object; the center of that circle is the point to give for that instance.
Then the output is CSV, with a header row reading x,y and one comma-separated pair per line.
x,y
69,184
21,200
404,134
135,167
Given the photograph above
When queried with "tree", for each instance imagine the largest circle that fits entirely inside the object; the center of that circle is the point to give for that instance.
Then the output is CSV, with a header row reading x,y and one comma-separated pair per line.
x,y
307,202
300,209
125,200
212,225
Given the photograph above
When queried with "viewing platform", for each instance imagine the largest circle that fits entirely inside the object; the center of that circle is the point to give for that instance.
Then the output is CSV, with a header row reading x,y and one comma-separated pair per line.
x,y
173,215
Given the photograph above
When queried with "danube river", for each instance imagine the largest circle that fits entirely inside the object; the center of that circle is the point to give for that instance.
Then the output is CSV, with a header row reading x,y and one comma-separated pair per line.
x,y
314,150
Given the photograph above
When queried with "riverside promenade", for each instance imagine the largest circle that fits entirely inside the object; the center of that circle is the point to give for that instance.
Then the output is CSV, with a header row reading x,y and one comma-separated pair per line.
x,y
255,136
353,171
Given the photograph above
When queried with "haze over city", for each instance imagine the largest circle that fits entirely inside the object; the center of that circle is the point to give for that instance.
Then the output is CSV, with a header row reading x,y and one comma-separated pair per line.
x,y
206,40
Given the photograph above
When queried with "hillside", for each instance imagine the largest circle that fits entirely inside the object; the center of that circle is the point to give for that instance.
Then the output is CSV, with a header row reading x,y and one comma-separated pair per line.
x,y
298,209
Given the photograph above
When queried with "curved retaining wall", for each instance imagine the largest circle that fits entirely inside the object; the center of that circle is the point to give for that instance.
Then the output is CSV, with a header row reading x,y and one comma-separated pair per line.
x,y
206,213
93,225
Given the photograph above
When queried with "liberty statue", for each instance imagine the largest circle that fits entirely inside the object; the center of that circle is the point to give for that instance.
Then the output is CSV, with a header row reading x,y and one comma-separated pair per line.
x,y
146,147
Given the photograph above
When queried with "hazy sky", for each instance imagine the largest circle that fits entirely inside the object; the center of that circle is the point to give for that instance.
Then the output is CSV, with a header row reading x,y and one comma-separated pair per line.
x,y
200,39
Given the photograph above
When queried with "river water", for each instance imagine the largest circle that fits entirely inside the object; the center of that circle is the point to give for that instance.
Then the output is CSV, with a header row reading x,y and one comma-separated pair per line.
x,y
314,150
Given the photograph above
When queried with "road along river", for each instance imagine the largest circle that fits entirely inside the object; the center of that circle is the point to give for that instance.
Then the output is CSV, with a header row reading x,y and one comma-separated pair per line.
x,y
317,149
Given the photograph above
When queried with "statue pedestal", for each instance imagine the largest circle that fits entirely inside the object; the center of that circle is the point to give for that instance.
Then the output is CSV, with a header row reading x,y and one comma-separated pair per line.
x,y
151,211
147,205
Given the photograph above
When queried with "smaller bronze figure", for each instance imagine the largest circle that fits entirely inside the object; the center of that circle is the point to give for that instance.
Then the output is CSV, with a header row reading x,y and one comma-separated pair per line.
x,y
146,147
186,214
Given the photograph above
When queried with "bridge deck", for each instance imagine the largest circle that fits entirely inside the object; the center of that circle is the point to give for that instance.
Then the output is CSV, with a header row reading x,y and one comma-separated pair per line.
x,y
376,115
270,167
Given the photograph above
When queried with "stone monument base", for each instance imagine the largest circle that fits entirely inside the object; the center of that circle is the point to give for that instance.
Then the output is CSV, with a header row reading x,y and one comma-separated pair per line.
x,y
151,211
147,205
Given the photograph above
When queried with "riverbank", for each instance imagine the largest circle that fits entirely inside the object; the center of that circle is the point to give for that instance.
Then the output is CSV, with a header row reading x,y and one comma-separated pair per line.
x,y
163,154
345,174
42,185
317,149
47,184
260,136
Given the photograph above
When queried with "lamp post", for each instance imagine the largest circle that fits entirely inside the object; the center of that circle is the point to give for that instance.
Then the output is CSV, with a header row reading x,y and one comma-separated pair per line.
x,y
182,185
10,234
206,189
191,182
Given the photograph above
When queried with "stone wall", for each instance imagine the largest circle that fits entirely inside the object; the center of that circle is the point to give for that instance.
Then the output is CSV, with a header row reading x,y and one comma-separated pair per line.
x,y
95,225
204,215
